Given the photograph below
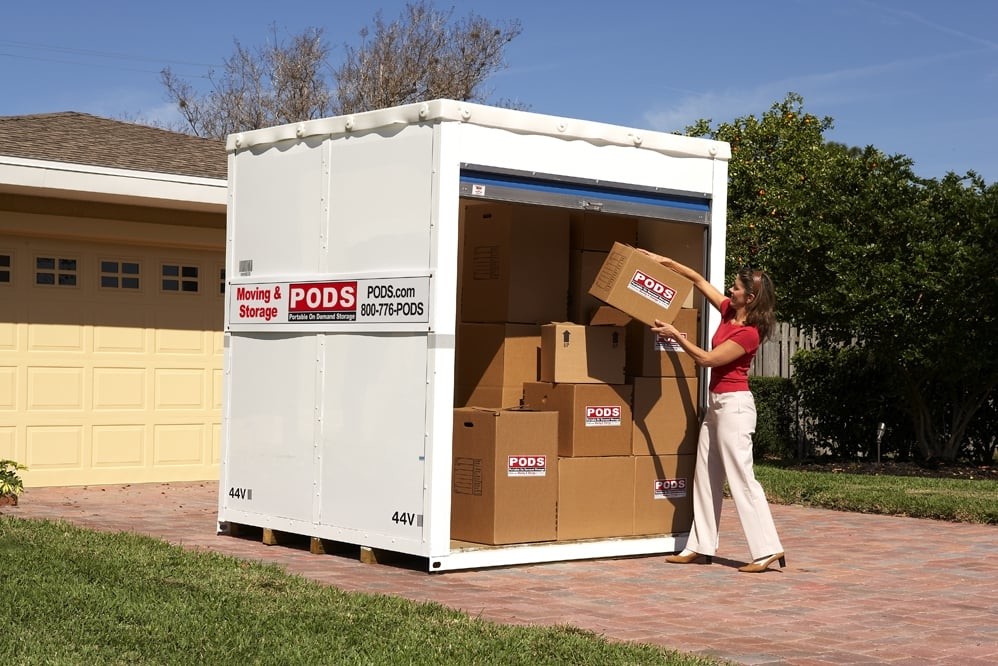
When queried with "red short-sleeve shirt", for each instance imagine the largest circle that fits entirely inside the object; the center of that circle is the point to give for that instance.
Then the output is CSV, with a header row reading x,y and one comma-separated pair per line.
x,y
734,375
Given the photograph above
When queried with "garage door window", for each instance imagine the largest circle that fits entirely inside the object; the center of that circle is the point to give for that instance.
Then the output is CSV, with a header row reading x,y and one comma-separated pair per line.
x,y
55,271
180,278
119,274
6,263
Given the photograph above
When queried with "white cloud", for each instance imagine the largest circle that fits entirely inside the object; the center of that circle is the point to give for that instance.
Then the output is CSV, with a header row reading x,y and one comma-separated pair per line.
x,y
715,106
945,29
163,115
822,90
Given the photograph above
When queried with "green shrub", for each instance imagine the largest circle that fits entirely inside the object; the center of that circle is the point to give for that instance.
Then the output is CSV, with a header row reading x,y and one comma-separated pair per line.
x,y
844,394
776,421
10,481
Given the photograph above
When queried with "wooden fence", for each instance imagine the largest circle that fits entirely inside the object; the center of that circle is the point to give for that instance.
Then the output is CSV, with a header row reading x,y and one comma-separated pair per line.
x,y
773,357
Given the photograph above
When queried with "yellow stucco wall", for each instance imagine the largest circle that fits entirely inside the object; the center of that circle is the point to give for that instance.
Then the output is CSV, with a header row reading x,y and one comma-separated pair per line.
x,y
110,365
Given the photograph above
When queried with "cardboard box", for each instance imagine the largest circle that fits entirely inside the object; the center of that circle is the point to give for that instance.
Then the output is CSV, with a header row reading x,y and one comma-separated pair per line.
x,y
572,353
651,355
492,363
599,231
584,266
663,494
593,419
595,497
504,484
641,287
666,415
514,267
684,242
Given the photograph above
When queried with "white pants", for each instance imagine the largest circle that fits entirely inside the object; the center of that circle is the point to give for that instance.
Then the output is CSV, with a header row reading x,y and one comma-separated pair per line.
x,y
725,450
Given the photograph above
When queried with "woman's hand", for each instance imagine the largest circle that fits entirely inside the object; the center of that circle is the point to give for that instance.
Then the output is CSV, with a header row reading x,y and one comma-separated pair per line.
x,y
665,330
713,295
727,352
665,261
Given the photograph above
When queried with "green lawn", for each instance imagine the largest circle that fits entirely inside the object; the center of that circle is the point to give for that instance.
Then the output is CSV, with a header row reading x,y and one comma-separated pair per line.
x,y
73,596
962,500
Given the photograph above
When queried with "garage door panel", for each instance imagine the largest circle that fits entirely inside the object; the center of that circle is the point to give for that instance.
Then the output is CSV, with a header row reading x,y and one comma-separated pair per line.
x,y
8,443
122,331
181,444
44,337
55,389
217,388
8,333
58,447
119,446
175,341
118,389
120,340
8,388
179,388
183,312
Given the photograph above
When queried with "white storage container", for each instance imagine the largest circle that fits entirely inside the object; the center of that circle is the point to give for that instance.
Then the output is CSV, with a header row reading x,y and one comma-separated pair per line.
x,y
342,276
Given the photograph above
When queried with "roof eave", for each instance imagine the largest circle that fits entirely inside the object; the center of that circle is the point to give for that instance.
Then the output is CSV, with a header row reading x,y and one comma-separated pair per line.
x,y
86,182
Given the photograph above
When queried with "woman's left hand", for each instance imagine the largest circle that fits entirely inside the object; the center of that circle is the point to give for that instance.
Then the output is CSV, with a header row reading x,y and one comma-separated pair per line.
x,y
657,258
666,330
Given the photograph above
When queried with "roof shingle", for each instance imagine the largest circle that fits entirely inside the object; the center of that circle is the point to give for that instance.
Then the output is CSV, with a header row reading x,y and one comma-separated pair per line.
x,y
80,138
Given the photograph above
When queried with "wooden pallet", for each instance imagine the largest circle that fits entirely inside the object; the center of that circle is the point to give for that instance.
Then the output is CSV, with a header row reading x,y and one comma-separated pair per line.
x,y
316,545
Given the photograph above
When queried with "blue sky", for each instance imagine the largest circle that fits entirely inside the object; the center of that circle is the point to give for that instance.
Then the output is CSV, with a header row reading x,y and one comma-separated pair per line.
x,y
918,77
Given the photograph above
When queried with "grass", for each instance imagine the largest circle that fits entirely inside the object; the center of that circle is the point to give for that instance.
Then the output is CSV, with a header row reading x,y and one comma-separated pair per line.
x,y
72,596
75,596
959,500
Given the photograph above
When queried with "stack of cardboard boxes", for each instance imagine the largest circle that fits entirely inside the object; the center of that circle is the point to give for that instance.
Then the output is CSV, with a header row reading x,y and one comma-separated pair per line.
x,y
572,420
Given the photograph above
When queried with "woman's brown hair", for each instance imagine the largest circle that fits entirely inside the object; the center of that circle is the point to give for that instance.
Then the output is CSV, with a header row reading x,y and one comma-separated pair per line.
x,y
761,310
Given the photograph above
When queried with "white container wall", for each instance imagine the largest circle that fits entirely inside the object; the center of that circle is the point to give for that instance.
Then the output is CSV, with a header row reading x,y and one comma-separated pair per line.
x,y
342,281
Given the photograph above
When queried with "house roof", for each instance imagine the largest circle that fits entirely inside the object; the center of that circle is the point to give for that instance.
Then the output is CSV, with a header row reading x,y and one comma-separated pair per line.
x,y
80,138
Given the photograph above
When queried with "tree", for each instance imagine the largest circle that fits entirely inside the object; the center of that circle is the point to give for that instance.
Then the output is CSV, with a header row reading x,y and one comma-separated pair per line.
x,y
870,256
932,307
276,84
775,159
424,54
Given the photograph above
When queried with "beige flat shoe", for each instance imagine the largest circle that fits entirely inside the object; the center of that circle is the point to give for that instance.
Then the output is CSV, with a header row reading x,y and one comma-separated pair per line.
x,y
688,557
763,563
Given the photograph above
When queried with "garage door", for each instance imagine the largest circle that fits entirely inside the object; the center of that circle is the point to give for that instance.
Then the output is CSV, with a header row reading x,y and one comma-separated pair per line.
x,y
110,361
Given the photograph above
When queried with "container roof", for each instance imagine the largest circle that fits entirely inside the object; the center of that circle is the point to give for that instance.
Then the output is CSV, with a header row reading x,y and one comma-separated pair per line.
x,y
83,139
445,110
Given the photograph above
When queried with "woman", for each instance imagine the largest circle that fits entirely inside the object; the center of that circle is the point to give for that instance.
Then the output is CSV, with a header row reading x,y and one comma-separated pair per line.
x,y
724,449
